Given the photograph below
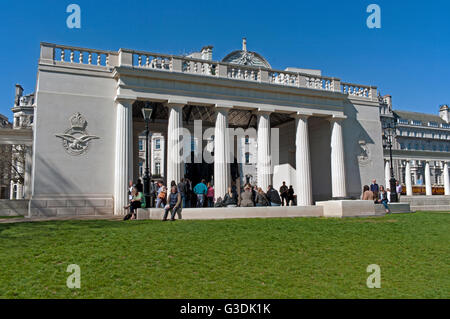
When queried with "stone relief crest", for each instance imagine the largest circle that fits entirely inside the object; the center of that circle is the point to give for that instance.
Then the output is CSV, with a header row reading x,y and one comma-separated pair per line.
x,y
76,139
363,153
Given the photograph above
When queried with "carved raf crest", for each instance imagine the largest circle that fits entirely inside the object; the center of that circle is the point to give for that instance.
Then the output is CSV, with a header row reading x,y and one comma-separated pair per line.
x,y
76,139
363,153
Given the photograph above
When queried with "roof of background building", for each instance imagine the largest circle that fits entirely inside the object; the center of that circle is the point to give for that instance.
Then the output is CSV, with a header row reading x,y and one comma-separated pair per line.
x,y
424,117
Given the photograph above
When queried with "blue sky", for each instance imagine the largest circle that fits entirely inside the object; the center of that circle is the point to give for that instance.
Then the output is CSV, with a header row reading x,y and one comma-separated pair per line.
x,y
409,57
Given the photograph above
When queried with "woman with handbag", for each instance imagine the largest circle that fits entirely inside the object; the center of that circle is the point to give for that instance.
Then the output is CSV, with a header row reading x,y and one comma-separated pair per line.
x,y
161,200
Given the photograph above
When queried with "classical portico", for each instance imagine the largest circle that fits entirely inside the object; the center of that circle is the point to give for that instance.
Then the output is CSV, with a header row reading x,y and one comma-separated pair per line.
x,y
327,142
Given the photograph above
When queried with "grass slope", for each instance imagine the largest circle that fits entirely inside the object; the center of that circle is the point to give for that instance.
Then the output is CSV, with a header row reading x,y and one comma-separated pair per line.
x,y
252,258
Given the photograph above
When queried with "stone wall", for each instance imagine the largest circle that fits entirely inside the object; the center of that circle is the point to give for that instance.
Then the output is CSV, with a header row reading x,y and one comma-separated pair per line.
x,y
427,203
13,207
71,206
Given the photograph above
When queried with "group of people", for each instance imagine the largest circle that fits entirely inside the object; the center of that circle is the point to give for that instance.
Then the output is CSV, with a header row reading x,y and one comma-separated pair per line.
x,y
182,195
379,194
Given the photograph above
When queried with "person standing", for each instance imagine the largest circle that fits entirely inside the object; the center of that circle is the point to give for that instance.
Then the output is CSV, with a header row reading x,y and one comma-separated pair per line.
x,y
200,190
210,195
273,196
399,189
187,192
284,194
182,190
161,200
374,188
130,190
173,204
290,197
140,186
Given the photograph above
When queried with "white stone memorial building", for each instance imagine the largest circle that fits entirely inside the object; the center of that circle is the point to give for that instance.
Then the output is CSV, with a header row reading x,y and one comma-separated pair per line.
x,y
257,124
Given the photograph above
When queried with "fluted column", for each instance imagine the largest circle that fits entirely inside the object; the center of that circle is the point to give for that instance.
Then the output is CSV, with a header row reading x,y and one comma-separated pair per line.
x,y
264,165
303,161
221,153
446,179
428,189
408,183
338,186
27,176
175,162
124,154
387,174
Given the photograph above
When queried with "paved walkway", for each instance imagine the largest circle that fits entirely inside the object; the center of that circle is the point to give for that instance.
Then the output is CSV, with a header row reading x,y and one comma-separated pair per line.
x,y
46,219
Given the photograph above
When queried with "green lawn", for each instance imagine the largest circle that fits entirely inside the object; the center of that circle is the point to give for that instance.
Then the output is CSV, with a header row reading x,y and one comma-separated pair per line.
x,y
253,258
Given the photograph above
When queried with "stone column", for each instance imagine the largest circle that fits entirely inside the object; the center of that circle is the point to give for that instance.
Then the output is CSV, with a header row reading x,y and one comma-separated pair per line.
x,y
175,162
27,176
303,161
221,153
387,174
408,183
339,190
428,189
124,153
264,165
446,179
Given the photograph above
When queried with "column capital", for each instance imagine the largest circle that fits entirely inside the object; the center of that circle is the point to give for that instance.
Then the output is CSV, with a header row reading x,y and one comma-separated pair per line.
x,y
336,118
301,115
263,111
175,103
125,99
223,106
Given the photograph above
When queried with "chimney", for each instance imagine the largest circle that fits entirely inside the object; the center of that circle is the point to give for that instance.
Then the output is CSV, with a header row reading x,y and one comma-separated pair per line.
x,y
388,101
18,95
207,52
443,113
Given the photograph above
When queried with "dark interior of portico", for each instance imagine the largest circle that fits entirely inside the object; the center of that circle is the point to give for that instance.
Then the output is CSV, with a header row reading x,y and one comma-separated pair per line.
x,y
195,170
319,135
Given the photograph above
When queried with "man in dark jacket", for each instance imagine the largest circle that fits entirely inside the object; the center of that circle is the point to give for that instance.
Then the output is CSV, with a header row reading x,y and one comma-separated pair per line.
x,y
284,194
273,196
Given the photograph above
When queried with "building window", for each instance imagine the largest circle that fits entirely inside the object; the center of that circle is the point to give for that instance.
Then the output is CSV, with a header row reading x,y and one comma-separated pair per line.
x,y
141,145
402,121
15,192
158,168
157,144
416,122
16,121
141,168
247,140
445,125
433,124
402,146
247,158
